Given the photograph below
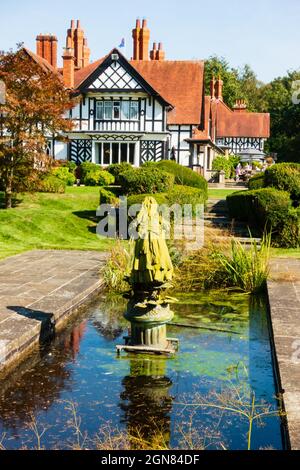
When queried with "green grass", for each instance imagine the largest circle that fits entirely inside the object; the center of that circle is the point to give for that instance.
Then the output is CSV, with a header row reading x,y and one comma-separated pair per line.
x,y
285,252
52,221
214,193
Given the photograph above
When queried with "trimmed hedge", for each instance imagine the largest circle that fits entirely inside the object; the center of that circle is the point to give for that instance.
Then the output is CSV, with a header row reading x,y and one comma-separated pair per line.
x,y
284,176
178,195
257,181
98,177
108,197
268,208
49,183
63,173
183,175
145,180
116,168
88,167
139,198
186,195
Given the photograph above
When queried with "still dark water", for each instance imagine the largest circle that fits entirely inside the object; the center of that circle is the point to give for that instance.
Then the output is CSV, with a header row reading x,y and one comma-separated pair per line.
x,y
80,369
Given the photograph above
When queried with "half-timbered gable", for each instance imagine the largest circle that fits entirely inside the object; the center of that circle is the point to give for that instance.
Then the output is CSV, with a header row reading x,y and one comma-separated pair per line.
x,y
119,113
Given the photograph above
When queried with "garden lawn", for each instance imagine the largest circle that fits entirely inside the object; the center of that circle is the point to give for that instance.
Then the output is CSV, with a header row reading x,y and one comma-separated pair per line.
x,y
214,193
52,221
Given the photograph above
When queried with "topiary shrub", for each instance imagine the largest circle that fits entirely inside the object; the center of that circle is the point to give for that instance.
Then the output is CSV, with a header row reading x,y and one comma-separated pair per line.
x,y
98,177
270,209
50,183
86,167
257,181
160,198
64,174
145,180
252,206
240,205
285,176
108,197
186,195
183,175
288,230
116,168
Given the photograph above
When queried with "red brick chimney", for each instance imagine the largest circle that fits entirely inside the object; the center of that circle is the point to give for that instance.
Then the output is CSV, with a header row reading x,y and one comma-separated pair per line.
x,y
144,41
136,40
70,35
160,54
219,89
76,40
68,67
78,45
153,52
240,106
213,87
86,53
46,47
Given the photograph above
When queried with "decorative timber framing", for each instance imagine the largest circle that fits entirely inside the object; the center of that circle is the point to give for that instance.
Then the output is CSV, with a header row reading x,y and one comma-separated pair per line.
x,y
88,84
238,144
152,151
80,151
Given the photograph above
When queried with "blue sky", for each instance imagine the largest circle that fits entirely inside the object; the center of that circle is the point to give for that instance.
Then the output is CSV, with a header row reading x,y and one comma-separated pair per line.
x,y
262,33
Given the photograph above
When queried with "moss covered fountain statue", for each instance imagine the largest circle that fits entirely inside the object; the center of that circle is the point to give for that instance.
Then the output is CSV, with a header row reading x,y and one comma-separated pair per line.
x,y
150,274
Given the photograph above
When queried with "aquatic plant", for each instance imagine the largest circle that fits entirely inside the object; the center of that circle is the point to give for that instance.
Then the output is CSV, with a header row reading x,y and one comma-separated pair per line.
x,y
247,268
238,402
115,268
226,264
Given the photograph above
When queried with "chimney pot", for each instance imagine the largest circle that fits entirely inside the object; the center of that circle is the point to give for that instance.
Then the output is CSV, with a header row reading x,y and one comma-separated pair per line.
x,y
72,24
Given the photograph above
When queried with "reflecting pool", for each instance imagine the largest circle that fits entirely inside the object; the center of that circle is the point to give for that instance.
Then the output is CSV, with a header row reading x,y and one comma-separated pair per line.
x,y
75,391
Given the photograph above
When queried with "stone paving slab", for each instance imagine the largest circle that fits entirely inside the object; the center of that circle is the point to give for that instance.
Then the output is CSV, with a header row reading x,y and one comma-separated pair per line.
x,y
38,291
284,300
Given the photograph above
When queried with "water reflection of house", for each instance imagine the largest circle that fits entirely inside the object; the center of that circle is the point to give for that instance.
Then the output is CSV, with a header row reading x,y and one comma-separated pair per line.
x,y
45,376
72,342
147,108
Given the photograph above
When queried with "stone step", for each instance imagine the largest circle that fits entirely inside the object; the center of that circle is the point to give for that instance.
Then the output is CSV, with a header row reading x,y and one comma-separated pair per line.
x,y
235,184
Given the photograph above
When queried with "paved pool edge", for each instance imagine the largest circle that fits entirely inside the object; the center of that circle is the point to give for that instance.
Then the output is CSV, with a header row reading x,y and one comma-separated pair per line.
x,y
284,301
45,287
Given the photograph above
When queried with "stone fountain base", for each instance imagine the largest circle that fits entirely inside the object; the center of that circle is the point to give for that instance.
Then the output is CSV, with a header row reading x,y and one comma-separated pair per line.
x,y
148,332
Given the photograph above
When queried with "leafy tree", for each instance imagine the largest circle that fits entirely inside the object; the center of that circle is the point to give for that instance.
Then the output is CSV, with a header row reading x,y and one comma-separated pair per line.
x,y
36,101
238,83
219,67
285,117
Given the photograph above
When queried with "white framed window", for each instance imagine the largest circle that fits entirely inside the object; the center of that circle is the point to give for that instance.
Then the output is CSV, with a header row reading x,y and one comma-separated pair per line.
x,y
108,108
134,110
99,110
115,152
126,110
116,110
125,115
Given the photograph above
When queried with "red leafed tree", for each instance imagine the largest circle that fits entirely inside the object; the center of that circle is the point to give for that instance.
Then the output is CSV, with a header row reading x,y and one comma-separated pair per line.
x,y
36,101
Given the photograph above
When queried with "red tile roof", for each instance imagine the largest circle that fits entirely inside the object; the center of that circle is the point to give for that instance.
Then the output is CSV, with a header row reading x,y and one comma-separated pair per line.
x,y
39,60
178,82
245,124
181,83
82,74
